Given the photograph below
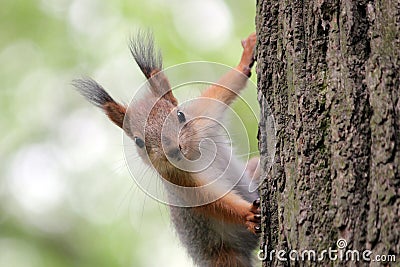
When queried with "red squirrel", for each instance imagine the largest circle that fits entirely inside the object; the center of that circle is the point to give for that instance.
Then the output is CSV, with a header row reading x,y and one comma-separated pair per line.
x,y
219,221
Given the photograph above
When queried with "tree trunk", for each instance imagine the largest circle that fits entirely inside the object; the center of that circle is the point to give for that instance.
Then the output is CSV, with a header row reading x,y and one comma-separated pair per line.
x,y
330,73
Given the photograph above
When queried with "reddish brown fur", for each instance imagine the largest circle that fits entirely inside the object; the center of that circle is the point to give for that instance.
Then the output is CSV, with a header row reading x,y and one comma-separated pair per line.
x,y
161,87
226,93
115,112
231,208
181,178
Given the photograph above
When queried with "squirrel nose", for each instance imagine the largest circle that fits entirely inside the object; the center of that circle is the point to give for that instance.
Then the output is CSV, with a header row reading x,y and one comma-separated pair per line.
x,y
174,153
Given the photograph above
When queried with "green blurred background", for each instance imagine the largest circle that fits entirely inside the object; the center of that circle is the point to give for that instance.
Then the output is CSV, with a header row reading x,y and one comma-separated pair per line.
x,y
66,196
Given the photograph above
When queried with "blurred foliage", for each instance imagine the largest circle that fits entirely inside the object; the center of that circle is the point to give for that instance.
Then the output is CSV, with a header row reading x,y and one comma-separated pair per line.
x,y
66,197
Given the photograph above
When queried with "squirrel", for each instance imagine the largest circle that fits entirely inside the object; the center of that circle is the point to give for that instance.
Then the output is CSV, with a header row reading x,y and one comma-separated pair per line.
x,y
219,220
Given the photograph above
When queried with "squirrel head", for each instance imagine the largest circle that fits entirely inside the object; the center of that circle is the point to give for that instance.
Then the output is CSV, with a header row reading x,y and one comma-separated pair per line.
x,y
155,123
167,136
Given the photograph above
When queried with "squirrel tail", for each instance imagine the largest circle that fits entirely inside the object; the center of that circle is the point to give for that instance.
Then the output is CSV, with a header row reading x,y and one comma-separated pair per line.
x,y
96,95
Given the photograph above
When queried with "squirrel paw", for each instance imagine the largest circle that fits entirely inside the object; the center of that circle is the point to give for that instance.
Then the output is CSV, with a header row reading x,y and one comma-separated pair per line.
x,y
247,60
253,218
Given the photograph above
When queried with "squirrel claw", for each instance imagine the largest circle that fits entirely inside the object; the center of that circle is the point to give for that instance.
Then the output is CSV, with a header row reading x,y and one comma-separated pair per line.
x,y
256,203
255,228
255,207
256,218
248,59
253,219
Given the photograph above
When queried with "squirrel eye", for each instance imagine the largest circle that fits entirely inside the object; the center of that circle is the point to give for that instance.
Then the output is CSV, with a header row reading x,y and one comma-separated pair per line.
x,y
181,116
139,142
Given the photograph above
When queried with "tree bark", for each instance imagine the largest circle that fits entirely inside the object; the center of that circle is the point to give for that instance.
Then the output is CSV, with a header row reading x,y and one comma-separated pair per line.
x,y
330,73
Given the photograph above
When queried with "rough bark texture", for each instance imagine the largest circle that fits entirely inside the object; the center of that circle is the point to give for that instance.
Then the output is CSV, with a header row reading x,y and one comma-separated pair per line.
x,y
330,73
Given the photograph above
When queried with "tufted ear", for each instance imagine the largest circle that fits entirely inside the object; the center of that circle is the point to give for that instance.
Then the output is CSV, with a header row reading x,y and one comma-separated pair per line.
x,y
96,95
160,86
150,62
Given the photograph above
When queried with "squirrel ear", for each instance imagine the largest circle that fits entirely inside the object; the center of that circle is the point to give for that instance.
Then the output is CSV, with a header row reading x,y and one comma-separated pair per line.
x,y
96,95
149,61
115,112
160,86
170,97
